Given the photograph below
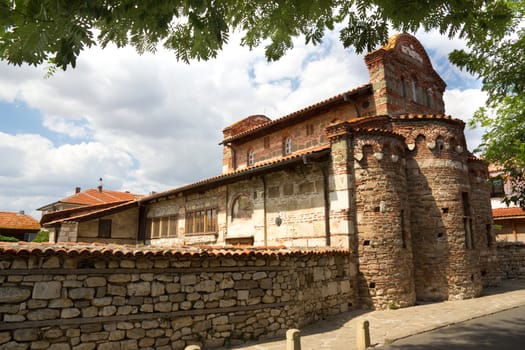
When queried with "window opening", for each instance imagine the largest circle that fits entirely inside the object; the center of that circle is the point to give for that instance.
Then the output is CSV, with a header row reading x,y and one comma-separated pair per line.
x,y
104,228
288,146
251,157
201,221
467,221
309,129
267,142
496,187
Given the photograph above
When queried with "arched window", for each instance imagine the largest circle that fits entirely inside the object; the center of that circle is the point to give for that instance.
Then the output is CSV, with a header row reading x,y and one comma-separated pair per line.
x,y
251,156
414,90
242,207
429,97
287,146
440,144
403,87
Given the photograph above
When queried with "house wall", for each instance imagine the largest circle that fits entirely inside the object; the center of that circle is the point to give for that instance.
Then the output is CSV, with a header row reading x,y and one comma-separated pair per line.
x,y
511,259
510,230
165,300
124,228
295,196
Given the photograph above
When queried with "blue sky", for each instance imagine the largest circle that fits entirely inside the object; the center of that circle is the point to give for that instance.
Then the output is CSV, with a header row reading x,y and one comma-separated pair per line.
x,y
148,123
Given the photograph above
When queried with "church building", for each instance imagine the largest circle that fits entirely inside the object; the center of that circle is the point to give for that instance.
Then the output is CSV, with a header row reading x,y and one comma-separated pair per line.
x,y
378,170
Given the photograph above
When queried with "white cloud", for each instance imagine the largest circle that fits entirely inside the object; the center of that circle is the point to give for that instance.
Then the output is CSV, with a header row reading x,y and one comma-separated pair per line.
x,y
462,104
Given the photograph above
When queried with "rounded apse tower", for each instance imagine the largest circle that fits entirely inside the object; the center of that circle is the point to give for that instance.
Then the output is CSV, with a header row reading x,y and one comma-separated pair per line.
x,y
383,215
441,202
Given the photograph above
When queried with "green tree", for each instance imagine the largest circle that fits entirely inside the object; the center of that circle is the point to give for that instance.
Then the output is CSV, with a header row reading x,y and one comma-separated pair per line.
x,y
500,63
36,31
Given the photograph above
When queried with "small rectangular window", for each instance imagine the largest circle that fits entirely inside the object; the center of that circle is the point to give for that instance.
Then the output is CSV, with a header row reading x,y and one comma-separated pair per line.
x,y
173,226
267,142
104,228
496,188
201,221
309,129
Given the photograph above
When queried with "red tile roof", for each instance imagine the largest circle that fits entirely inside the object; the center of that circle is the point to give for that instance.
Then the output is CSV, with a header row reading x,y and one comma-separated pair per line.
x,y
94,196
104,249
17,221
85,212
412,116
302,112
508,212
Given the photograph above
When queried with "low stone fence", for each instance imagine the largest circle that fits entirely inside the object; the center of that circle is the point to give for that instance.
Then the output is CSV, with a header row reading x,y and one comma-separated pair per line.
x,y
511,257
114,297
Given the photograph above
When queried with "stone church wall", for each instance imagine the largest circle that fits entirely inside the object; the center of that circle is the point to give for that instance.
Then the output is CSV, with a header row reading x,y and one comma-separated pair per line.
x,y
126,298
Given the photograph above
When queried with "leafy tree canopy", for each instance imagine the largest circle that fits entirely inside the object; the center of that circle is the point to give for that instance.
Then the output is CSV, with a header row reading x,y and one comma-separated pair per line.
x,y
36,31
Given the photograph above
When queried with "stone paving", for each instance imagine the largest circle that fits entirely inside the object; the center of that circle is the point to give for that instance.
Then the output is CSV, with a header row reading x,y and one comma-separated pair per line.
x,y
339,331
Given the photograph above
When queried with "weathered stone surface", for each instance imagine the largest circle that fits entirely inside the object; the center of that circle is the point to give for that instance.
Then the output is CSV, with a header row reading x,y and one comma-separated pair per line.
x,y
43,314
139,289
95,281
40,344
14,294
70,313
60,303
81,293
25,334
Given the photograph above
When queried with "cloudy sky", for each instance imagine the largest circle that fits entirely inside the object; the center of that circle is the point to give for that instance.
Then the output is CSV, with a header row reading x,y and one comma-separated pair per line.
x,y
149,123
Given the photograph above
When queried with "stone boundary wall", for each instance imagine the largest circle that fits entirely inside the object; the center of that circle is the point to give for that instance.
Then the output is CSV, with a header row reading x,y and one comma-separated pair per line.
x,y
94,300
511,259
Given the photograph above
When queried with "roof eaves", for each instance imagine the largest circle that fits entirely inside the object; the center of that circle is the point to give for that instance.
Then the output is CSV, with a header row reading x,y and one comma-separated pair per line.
x,y
233,176
289,117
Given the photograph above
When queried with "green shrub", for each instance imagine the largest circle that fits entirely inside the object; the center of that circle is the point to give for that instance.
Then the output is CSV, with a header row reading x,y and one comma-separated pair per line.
x,y
8,239
42,236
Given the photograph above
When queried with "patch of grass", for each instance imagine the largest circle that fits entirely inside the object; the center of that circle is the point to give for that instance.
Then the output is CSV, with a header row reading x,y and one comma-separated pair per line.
x,y
42,236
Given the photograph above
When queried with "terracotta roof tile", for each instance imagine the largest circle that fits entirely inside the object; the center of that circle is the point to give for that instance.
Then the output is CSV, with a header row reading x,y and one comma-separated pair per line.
x,y
94,196
84,212
301,112
18,221
92,249
412,116
508,212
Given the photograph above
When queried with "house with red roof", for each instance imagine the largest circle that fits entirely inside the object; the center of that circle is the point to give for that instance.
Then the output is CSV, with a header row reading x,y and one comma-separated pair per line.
x,y
509,220
18,225
378,170
91,196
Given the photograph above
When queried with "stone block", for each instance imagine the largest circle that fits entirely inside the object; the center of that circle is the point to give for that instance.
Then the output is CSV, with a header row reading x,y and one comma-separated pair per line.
x,y
53,262
188,279
82,293
43,314
207,286
119,278
47,290
39,344
14,318
139,289
25,334
157,288
70,313
135,333
95,281
14,294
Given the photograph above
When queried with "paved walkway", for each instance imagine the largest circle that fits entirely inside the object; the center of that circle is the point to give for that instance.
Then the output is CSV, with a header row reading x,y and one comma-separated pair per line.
x,y
339,331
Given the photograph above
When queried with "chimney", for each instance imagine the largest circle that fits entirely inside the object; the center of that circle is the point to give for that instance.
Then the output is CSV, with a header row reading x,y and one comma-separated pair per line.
x,y
77,190
21,212
100,185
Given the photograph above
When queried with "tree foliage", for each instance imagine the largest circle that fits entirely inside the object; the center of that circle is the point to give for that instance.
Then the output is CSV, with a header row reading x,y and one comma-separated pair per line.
x,y
36,31
500,63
